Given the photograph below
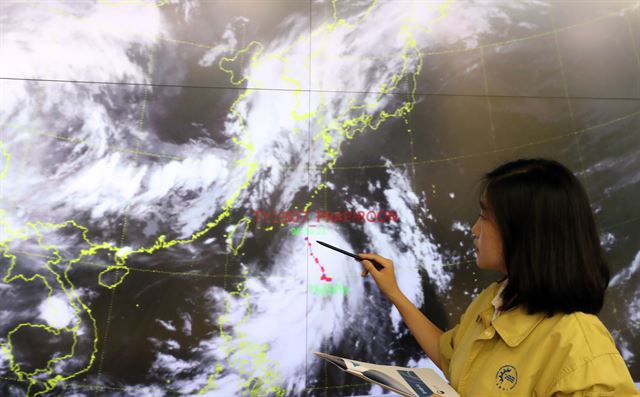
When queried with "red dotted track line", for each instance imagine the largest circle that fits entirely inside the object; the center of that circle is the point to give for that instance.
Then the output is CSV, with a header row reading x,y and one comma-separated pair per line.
x,y
324,276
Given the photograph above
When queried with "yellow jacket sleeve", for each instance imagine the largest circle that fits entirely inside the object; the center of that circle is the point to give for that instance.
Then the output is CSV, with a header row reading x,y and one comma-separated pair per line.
x,y
603,376
449,339
446,349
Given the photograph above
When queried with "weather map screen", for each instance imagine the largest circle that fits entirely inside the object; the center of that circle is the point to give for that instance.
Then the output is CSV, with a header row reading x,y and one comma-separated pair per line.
x,y
166,169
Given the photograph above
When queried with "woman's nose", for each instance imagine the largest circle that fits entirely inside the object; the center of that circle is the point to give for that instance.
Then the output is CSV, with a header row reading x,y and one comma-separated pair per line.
x,y
475,230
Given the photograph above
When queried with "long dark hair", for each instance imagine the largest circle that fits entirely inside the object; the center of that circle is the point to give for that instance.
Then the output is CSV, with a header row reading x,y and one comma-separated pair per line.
x,y
551,248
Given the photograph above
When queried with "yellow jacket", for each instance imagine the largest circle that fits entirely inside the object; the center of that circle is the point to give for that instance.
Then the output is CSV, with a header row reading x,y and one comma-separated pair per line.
x,y
518,354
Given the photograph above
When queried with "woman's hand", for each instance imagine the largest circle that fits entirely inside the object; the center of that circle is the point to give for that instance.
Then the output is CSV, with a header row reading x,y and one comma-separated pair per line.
x,y
426,333
385,279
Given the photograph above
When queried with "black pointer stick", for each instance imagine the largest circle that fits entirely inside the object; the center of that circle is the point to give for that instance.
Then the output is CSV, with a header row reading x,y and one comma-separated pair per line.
x,y
377,265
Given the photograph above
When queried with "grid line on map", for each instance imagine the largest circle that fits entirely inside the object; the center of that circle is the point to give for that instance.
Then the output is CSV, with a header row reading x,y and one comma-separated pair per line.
x,y
211,276
178,158
27,151
97,388
306,302
105,337
531,143
426,53
630,5
309,189
315,91
485,153
89,144
219,276
634,45
486,92
565,87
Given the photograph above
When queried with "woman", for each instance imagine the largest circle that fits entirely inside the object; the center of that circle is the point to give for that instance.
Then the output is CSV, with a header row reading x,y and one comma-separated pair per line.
x,y
534,333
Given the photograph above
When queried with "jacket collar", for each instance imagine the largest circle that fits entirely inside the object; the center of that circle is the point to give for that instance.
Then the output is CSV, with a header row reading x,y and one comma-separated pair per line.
x,y
514,325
